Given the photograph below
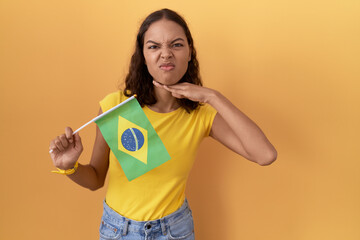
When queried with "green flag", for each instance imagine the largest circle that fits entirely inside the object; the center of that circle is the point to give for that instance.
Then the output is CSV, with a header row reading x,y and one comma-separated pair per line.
x,y
132,139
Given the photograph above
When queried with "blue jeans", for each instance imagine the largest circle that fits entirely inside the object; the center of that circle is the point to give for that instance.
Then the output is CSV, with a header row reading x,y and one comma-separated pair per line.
x,y
177,225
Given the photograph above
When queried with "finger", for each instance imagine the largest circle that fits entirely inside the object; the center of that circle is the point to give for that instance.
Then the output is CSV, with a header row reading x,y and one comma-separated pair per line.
x,y
58,144
176,91
53,151
159,85
64,141
177,95
177,86
69,134
52,148
167,88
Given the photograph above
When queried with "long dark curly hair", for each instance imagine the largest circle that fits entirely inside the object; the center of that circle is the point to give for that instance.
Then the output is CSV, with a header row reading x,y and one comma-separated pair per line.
x,y
139,81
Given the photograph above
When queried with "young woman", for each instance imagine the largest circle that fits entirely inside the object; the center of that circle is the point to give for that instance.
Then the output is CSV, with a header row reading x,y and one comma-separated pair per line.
x,y
164,73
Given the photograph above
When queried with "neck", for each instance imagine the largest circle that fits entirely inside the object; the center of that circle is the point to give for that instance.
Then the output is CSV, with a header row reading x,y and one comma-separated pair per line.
x,y
165,101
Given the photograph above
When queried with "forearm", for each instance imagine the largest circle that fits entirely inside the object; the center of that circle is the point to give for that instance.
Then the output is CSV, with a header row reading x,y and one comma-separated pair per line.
x,y
249,134
247,138
86,176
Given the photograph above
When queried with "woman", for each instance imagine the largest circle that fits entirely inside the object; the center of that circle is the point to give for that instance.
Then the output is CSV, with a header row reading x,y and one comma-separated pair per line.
x,y
164,73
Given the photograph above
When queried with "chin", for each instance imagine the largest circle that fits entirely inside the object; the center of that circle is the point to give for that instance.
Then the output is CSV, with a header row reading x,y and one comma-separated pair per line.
x,y
167,82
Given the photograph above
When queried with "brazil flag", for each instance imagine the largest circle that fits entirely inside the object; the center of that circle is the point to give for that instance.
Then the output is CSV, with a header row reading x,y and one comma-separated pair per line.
x,y
132,139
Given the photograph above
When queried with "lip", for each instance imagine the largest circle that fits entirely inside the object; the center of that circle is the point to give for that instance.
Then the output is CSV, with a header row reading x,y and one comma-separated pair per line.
x,y
167,66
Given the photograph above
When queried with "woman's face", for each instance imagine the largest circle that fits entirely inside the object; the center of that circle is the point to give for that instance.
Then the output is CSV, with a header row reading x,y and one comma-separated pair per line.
x,y
166,51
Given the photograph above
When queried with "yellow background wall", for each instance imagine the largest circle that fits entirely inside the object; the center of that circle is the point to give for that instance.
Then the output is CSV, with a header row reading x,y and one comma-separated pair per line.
x,y
291,66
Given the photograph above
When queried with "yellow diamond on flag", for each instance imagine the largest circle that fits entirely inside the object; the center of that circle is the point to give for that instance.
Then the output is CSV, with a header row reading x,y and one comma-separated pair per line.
x,y
132,139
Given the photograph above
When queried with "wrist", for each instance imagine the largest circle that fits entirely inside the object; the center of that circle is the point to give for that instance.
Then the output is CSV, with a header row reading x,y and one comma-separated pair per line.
x,y
67,171
212,97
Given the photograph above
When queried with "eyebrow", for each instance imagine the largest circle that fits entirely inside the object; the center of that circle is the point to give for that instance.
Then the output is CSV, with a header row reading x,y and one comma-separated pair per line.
x,y
178,39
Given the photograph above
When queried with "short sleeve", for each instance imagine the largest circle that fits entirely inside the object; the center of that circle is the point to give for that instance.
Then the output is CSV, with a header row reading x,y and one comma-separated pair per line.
x,y
207,114
111,100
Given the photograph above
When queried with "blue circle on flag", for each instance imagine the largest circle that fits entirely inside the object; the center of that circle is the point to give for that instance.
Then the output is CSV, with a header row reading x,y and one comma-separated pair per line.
x,y
132,139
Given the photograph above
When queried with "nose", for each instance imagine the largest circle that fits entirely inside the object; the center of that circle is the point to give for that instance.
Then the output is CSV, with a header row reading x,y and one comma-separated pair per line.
x,y
166,53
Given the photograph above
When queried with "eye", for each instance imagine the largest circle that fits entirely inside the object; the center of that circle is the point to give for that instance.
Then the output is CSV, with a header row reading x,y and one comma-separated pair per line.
x,y
152,47
178,45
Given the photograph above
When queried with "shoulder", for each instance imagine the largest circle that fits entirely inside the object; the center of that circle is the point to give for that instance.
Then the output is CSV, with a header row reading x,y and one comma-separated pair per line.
x,y
206,115
112,99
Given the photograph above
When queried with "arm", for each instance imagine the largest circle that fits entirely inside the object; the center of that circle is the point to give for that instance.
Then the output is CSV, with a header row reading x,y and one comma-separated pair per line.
x,y
231,127
236,131
67,150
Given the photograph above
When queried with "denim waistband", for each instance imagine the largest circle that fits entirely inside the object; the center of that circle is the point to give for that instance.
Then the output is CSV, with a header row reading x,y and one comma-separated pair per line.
x,y
143,226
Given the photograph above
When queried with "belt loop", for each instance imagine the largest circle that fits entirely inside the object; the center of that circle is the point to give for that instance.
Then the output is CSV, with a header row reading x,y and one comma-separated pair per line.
x,y
125,227
163,226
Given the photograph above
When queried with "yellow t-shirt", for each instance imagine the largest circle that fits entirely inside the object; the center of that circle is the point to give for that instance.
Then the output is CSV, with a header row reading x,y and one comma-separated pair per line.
x,y
160,191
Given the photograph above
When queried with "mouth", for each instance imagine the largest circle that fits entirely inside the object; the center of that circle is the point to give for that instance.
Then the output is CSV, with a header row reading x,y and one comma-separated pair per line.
x,y
167,66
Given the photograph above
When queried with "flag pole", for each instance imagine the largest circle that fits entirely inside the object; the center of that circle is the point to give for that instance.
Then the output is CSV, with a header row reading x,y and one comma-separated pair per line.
x,y
101,115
